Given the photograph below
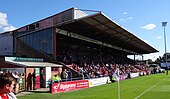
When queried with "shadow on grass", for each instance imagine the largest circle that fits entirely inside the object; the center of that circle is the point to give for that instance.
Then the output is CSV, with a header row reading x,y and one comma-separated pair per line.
x,y
40,91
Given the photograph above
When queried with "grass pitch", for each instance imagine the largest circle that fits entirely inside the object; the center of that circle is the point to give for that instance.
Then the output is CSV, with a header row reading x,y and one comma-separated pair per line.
x,y
155,86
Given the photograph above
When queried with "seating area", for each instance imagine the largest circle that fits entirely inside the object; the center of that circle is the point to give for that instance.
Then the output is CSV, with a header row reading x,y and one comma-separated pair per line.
x,y
93,65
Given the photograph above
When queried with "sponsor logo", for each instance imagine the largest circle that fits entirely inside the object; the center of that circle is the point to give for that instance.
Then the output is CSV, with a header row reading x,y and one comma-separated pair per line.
x,y
68,86
56,87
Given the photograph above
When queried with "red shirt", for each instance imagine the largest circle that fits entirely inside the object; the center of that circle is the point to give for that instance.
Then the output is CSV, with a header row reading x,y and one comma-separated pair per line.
x,y
4,97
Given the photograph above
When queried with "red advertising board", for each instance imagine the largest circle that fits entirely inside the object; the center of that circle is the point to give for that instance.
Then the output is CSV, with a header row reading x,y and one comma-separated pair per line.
x,y
37,85
70,85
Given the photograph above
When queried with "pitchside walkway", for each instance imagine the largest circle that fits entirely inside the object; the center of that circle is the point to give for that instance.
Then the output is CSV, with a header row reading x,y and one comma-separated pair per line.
x,y
41,90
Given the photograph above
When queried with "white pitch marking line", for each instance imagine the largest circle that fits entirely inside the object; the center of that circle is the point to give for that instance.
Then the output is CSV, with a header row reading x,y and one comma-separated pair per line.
x,y
148,89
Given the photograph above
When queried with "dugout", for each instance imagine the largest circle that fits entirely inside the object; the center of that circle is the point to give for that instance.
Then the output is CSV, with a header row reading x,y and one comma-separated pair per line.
x,y
23,69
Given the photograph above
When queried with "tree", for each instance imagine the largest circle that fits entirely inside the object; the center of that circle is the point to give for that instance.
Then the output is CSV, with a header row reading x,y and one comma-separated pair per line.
x,y
163,59
158,60
150,61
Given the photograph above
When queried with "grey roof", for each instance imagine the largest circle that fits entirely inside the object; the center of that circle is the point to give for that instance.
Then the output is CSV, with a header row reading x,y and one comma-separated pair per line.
x,y
100,27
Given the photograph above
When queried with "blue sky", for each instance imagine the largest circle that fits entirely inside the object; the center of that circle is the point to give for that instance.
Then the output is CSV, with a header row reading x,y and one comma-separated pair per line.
x,y
141,17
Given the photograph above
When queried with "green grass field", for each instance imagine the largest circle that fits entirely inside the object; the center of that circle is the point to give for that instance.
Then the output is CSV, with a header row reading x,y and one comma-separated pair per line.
x,y
146,87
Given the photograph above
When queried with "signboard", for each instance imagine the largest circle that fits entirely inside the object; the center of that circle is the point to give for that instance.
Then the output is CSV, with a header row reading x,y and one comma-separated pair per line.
x,y
133,75
68,86
165,65
23,59
98,81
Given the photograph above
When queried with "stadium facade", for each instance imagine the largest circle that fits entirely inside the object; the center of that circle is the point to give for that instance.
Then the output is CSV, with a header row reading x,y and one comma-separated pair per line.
x,y
55,38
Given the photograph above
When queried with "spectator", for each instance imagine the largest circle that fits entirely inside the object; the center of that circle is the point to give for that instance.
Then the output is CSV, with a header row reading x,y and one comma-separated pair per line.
x,y
69,75
56,78
16,85
42,78
111,78
34,79
167,70
65,75
6,86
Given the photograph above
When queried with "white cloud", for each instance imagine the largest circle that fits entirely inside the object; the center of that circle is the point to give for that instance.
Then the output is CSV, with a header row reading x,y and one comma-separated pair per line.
x,y
130,18
126,19
122,19
4,25
8,28
3,19
124,13
149,26
159,37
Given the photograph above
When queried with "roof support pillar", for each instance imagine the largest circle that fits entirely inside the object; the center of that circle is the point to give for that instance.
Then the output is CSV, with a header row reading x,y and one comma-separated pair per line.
x,y
134,59
54,44
122,57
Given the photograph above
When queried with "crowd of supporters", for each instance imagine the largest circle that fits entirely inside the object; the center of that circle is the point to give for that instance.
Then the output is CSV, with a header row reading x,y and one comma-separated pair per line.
x,y
93,65
102,70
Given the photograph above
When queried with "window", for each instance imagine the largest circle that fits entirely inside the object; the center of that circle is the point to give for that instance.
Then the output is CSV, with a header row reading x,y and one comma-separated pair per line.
x,y
31,27
37,25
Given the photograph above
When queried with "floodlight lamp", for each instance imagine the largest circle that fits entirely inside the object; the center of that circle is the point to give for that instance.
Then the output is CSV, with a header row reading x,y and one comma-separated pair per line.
x,y
164,24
